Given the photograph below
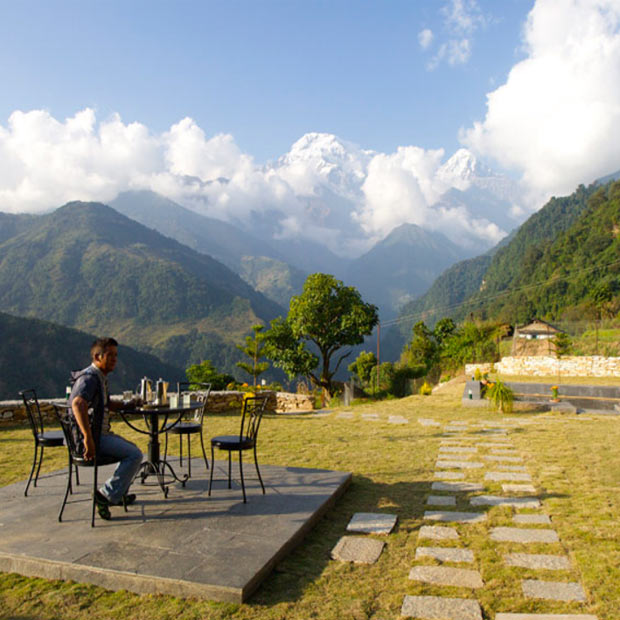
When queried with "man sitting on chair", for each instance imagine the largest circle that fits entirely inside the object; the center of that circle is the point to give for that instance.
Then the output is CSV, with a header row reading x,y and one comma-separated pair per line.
x,y
92,432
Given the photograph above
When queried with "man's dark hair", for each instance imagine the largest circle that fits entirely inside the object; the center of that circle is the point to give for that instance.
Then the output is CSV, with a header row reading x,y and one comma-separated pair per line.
x,y
101,345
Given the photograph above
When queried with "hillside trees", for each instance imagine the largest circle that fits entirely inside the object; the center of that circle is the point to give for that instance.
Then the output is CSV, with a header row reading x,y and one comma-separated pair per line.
x,y
326,317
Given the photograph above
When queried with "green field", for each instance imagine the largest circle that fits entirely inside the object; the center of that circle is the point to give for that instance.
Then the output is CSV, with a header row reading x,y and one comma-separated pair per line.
x,y
575,464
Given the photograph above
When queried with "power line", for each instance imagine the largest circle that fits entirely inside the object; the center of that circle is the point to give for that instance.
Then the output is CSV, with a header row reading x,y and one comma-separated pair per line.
x,y
498,295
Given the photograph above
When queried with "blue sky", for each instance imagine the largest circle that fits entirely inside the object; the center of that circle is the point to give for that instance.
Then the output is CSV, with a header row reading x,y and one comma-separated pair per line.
x,y
265,71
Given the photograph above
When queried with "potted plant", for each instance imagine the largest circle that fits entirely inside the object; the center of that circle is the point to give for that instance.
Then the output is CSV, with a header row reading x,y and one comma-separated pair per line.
x,y
554,394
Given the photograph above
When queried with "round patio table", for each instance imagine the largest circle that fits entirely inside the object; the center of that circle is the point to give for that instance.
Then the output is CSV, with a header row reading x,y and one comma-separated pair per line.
x,y
158,419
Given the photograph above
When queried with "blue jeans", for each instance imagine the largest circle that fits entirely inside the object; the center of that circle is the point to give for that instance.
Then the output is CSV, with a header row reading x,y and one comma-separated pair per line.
x,y
130,459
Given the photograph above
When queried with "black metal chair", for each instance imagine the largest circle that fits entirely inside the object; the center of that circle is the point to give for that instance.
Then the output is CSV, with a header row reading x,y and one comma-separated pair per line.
x,y
42,438
76,459
251,416
190,427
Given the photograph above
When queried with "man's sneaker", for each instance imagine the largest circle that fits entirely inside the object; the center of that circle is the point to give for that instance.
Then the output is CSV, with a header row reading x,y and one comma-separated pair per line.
x,y
126,500
103,506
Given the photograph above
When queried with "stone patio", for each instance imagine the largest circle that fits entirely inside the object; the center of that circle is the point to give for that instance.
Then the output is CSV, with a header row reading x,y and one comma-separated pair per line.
x,y
189,545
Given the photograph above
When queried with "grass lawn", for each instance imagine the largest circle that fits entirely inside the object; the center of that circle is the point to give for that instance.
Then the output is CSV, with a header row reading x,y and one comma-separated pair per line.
x,y
575,464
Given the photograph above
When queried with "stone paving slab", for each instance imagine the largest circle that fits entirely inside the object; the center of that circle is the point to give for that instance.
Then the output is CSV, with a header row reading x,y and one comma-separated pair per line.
x,y
372,523
502,459
457,428
346,416
499,476
441,500
445,554
523,535
370,416
518,488
458,465
447,576
459,449
397,419
449,475
537,561
496,500
440,608
486,444
532,519
188,545
438,532
457,517
509,616
428,422
553,590
462,487
357,549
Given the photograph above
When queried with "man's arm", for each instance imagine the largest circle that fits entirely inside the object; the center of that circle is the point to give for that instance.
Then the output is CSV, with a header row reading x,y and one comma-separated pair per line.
x,y
80,411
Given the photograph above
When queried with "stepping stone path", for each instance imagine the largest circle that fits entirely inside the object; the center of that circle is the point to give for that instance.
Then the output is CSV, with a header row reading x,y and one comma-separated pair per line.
x,y
428,422
537,561
553,590
447,576
345,416
498,476
370,416
458,449
397,419
440,608
441,500
372,523
520,535
445,554
438,532
518,488
457,517
495,500
449,475
502,459
357,549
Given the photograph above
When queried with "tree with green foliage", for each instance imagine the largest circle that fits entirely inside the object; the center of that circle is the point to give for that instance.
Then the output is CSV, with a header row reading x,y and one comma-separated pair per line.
x,y
205,372
253,348
327,316
364,366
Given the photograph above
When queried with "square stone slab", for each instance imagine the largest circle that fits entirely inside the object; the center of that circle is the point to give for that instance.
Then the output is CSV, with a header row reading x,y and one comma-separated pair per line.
x,y
458,465
502,459
372,523
441,500
457,517
357,549
462,487
445,554
459,449
370,416
537,561
520,535
545,617
498,476
428,422
397,419
518,488
553,590
454,428
345,416
532,519
484,444
447,576
438,532
440,608
496,500
449,475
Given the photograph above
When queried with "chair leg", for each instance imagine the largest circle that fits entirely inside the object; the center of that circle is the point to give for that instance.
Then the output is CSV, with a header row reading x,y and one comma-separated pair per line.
x,y
241,472
166,447
181,450
204,454
64,501
77,475
258,471
34,464
212,468
189,455
39,467
92,518
229,477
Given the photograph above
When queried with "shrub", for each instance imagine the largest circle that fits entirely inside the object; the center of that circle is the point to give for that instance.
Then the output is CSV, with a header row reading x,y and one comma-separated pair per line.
x,y
501,396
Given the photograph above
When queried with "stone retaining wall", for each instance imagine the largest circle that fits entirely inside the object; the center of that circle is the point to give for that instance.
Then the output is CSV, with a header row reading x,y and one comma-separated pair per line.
x,y
280,402
545,366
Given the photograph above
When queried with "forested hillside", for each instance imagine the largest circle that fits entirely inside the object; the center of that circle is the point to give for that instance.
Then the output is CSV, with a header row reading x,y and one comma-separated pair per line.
x,y
39,354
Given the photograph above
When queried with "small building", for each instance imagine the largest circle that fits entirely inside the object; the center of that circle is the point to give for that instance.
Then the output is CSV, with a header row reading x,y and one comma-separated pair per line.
x,y
534,339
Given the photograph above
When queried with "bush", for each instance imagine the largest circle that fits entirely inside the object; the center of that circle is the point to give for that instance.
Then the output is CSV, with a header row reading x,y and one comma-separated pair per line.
x,y
501,396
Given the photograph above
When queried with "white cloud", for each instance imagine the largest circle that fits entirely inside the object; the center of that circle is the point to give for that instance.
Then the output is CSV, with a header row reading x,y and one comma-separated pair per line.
x,y
463,16
425,38
557,117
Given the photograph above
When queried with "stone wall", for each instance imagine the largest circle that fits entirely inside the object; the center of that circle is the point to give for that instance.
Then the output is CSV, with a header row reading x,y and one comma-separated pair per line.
x,y
280,402
546,366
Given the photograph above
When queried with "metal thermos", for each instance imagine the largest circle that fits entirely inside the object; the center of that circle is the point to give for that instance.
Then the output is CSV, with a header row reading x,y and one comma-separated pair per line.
x,y
145,389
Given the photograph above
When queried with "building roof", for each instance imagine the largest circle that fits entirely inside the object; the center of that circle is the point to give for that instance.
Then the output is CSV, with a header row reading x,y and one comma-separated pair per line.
x,y
538,326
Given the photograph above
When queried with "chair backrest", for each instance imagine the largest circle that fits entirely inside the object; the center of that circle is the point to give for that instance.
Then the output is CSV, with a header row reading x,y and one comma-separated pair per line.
x,y
202,396
69,431
31,403
251,416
